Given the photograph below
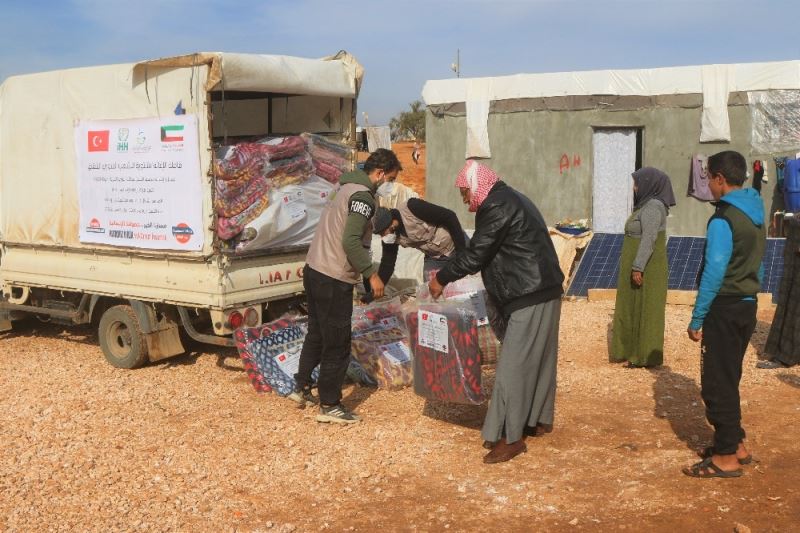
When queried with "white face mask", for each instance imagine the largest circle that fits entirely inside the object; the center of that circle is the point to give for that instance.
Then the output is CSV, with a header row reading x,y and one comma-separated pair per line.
x,y
391,238
385,189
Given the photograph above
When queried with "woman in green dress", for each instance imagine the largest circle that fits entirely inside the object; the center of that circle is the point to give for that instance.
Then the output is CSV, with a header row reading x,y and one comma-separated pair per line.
x,y
638,334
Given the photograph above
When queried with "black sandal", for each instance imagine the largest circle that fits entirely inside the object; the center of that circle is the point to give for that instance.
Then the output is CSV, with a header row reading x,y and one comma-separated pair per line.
x,y
709,451
706,468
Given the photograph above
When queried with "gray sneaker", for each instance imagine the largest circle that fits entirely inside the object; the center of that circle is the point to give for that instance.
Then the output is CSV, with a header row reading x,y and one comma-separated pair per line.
x,y
303,397
336,414
770,364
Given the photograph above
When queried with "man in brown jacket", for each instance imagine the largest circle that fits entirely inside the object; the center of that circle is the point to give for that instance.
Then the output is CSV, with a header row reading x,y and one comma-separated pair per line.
x,y
337,260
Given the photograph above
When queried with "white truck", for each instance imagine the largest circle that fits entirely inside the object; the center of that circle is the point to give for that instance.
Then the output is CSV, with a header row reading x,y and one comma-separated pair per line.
x,y
107,194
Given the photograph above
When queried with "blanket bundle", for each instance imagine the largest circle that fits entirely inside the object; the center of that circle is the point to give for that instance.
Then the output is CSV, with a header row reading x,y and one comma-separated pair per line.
x,y
245,174
250,342
380,344
330,159
447,362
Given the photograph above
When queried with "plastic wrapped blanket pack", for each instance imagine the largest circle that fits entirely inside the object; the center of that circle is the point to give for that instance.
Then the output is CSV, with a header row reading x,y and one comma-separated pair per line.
x,y
380,344
447,363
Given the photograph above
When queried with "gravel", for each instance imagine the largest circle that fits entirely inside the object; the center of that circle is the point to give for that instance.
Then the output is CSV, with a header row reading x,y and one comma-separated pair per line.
x,y
187,445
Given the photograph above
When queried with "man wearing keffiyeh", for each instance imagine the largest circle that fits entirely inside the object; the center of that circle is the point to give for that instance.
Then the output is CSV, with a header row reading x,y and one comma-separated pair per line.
x,y
511,247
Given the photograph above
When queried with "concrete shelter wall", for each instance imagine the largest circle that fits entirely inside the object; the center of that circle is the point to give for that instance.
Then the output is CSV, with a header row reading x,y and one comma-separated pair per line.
x,y
547,155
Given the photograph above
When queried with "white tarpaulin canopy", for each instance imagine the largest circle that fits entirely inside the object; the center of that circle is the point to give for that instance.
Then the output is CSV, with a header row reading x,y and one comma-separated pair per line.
x,y
714,82
339,75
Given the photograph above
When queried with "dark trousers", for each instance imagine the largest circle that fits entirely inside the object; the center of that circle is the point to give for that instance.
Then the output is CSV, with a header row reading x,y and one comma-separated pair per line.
x,y
327,344
726,332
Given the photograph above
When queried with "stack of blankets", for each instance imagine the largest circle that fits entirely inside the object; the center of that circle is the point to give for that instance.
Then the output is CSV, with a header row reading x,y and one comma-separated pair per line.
x,y
248,172
330,159
270,351
271,355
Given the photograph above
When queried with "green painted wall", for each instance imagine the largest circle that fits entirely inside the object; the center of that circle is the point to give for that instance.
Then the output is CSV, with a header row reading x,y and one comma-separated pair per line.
x,y
528,147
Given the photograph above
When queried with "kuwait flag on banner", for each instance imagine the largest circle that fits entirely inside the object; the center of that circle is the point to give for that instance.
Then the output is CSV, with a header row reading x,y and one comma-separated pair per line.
x,y
171,133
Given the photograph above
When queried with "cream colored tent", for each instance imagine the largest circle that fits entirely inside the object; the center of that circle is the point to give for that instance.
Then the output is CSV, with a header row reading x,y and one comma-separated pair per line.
x,y
231,94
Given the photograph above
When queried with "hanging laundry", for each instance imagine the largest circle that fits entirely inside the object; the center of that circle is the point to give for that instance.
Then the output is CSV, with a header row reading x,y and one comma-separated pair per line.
x,y
758,174
780,166
698,180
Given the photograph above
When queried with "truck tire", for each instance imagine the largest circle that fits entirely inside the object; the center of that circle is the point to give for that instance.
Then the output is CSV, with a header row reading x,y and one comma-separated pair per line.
x,y
121,337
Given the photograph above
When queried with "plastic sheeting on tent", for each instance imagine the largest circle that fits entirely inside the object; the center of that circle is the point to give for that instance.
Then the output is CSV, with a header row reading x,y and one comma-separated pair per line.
x,y
378,137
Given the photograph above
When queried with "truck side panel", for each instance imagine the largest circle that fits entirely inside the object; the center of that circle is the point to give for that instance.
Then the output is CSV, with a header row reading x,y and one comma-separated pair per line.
x,y
212,283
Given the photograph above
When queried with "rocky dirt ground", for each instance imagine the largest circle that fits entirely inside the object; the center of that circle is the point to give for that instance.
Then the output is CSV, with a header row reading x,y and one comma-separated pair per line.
x,y
412,175
187,445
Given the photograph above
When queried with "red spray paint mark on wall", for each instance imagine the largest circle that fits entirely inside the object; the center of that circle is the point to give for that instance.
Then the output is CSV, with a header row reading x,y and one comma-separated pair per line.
x,y
564,164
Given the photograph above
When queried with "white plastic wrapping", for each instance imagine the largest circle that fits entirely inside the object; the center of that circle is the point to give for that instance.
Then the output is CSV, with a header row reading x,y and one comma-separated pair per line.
x,y
775,118
291,216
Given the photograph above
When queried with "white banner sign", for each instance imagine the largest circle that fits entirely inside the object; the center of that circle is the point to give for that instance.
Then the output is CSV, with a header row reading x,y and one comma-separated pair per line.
x,y
139,183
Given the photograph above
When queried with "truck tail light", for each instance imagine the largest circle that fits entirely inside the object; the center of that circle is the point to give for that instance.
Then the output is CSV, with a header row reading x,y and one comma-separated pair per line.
x,y
236,320
251,317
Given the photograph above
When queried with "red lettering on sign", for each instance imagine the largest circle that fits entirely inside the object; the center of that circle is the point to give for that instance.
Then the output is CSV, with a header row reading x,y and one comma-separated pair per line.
x,y
576,160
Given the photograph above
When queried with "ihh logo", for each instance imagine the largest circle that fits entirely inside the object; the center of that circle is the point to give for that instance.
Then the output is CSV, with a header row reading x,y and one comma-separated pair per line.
x,y
122,139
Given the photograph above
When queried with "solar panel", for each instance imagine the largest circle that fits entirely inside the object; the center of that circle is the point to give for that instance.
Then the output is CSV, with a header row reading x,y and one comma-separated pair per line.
x,y
599,266
684,260
773,267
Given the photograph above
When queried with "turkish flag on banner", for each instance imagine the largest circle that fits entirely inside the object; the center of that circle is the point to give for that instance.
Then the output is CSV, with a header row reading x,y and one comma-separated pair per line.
x,y
98,141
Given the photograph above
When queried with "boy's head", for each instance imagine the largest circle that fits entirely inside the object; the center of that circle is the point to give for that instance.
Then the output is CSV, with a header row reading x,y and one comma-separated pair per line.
x,y
726,170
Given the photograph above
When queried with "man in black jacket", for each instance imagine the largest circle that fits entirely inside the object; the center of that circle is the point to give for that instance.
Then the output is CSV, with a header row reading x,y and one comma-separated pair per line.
x,y
511,247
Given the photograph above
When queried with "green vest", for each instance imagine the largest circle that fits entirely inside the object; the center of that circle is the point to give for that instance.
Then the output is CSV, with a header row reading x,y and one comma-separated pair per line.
x,y
749,242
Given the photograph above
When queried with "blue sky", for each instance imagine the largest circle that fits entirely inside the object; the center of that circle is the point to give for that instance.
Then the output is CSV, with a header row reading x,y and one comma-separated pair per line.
x,y
406,42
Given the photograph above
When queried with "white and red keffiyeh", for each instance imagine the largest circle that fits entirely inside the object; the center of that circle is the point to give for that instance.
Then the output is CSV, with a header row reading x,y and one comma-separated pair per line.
x,y
479,179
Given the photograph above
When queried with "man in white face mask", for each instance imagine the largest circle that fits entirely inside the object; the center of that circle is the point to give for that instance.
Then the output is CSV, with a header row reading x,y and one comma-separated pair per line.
x,y
386,189
431,229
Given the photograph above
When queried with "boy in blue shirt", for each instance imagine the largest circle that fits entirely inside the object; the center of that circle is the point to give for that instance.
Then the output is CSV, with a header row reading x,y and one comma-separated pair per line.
x,y
724,315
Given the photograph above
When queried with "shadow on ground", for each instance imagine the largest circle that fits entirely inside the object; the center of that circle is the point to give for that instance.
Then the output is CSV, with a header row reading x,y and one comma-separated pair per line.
x,y
677,400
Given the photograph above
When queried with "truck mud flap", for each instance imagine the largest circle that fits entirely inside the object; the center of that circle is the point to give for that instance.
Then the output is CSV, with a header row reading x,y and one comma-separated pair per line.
x,y
163,337
164,343
5,322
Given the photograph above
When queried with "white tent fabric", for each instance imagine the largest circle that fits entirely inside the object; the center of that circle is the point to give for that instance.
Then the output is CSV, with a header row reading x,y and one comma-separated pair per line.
x,y
715,82
714,123
477,105
378,137
643,82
